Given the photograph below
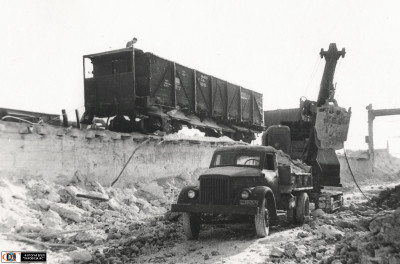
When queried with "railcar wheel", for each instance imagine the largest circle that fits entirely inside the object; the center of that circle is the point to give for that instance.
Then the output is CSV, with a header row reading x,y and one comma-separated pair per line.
x,y
261,220
302,207
191,225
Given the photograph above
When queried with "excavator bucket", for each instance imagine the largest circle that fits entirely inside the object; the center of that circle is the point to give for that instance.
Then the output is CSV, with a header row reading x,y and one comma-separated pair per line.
x,y
332,126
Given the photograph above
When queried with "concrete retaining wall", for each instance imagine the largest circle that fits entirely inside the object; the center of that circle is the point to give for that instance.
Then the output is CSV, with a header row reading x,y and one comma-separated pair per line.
x,y
56,154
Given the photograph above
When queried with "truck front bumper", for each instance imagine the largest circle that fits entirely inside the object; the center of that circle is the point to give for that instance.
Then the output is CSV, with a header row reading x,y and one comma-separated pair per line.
x,y
215,209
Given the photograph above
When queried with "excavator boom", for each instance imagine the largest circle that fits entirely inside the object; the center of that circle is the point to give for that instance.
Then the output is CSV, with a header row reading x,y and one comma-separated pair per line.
x,y
331,121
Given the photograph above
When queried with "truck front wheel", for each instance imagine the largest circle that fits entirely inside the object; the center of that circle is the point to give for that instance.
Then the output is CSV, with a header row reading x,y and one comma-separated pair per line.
x,y
191,225
302,207
261,220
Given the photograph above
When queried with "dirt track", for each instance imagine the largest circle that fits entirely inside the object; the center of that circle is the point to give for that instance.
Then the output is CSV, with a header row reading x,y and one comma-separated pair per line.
x,y
129,229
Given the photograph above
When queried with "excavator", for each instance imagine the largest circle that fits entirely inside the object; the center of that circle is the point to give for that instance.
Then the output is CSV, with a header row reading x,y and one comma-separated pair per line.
x,y
312,133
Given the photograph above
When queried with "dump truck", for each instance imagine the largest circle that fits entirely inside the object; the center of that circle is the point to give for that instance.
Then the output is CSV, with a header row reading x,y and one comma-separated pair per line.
x,y
312,133
249,181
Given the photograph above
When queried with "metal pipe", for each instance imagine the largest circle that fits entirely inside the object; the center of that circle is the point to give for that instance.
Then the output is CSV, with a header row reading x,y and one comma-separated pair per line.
x,y
78,123
64,117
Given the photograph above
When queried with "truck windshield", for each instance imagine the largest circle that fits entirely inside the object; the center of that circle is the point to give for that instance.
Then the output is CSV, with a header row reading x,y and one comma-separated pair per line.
x,y
236,159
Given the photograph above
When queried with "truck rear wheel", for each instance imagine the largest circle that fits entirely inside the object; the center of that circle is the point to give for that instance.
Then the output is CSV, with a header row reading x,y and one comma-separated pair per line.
x,y
302,207
261,220
191,225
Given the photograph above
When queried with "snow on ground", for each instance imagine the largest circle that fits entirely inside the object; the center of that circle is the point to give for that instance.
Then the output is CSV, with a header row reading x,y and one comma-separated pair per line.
x,y
132,224
194,134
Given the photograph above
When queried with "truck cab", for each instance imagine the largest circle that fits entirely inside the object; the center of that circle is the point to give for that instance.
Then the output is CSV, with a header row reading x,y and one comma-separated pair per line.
x,y
245,180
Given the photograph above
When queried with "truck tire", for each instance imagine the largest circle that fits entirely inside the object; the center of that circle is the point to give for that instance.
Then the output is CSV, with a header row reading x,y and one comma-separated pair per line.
x,y
261,220
191,225
302,207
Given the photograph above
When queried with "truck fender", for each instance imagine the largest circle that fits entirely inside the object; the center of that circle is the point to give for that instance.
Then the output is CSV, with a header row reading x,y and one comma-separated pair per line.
x,y
183,198
261,192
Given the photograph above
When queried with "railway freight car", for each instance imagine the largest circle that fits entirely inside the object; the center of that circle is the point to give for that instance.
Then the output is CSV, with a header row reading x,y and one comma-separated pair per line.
x,y
140,91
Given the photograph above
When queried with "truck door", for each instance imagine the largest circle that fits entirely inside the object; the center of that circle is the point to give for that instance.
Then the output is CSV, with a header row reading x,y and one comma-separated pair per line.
x,y
270,171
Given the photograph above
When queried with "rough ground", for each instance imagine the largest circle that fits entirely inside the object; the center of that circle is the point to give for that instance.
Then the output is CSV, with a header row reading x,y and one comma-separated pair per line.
x,y
134,226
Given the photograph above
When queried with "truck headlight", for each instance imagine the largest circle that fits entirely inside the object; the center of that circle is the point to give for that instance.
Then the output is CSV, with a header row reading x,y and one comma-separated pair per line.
x,y
245,194
191,194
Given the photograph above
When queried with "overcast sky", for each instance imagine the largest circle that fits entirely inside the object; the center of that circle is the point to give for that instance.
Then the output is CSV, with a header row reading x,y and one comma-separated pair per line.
x,y
268,46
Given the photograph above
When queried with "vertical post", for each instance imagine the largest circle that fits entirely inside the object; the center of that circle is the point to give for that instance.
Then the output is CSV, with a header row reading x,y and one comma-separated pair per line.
x,y
134,40
78,123
195,91
174,80
64,117
371,139
240,105
226,102
371,118
212,97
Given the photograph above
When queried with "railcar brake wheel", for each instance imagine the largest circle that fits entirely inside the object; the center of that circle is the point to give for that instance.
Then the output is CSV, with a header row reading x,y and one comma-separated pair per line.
x,y
302,207
261,220
191,225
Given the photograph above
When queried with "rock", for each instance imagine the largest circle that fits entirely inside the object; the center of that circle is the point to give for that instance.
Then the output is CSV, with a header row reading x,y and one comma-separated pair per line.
x,y
214,253
369,212
80,256
277,252
172,216
84,237
72,190
68,211
152,189
51,219
53,197
114,204
97,187
302,247
290,249
320,242
303,234
321,249
32,227
98,241
345,224
66,260
300,254
317,213
307,227
328,231
206,257
43,204
87,205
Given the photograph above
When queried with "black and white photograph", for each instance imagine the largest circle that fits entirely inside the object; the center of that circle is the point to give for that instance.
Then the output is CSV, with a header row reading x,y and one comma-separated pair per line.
x,y
200,131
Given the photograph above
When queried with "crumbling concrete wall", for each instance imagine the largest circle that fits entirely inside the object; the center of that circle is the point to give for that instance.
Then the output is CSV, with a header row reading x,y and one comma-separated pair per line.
x,y
56,154
387,168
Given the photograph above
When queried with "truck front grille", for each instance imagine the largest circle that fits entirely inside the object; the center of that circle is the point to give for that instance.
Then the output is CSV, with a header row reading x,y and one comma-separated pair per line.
x,y
215,190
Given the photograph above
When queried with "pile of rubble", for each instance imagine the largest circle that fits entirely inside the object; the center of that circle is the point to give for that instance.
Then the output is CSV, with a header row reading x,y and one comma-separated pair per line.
x,y
388,199
356,234
88,222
